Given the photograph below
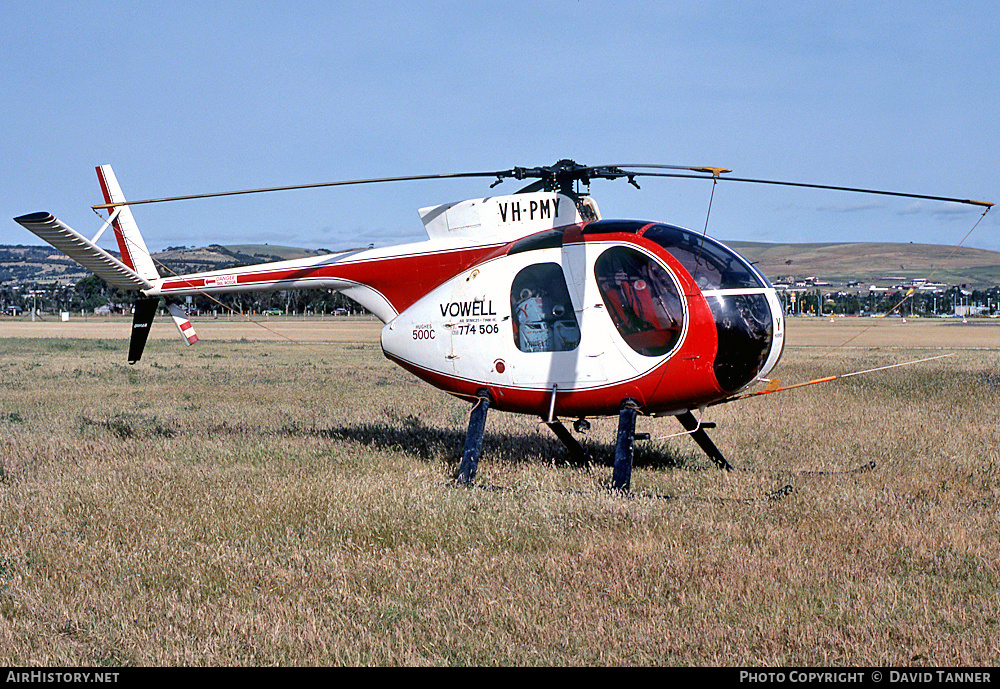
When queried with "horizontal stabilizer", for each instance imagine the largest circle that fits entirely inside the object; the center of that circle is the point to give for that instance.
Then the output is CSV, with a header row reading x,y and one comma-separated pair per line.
x,y
83,251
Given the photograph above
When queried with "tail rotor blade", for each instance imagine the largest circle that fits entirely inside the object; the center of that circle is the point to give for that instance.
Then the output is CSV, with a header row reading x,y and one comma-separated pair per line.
x,y
180,317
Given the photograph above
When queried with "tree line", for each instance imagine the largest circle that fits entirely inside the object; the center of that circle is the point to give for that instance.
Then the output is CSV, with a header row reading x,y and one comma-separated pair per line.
x,y
816,301
92,293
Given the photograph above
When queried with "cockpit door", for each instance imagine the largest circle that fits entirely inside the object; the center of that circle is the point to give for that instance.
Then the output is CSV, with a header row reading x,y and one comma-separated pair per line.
x,y
550,342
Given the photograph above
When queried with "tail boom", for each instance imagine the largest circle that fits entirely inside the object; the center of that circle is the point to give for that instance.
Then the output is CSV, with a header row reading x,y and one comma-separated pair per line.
x,y
384,281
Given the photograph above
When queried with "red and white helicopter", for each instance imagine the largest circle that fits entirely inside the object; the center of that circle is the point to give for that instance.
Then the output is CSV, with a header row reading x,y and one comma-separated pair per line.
x,y
528,303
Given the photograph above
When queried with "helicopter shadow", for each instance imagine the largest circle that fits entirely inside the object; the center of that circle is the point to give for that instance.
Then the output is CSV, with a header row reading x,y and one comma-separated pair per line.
x,y
414,438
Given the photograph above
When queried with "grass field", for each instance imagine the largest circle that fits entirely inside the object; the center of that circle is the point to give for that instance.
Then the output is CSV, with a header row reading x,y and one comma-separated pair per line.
x,y
257,501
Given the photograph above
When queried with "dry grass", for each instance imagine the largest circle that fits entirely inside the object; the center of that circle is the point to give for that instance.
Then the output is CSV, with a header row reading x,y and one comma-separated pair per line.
x,y
244,502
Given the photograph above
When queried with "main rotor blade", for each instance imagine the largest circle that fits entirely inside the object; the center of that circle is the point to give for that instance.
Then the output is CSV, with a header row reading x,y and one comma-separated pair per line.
x,y
562,174
318,185
859,190
691,168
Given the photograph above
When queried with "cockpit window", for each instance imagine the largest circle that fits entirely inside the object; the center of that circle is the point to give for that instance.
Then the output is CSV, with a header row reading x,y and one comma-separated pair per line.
x,y
612,226
548,239
641,299
712,265
543,316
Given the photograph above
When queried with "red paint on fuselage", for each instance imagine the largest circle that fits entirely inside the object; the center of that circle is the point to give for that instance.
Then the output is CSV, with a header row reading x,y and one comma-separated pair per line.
x,y
685,380
402,280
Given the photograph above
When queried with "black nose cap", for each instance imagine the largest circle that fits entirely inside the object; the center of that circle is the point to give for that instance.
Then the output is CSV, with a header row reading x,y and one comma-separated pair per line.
x,y
745,327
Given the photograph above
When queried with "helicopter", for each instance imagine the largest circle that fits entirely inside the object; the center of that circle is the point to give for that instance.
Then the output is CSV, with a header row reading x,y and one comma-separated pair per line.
x,y
530,303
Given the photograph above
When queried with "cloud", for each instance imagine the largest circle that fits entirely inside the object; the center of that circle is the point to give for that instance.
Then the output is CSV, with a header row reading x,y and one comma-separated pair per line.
x,y
941,210
852,207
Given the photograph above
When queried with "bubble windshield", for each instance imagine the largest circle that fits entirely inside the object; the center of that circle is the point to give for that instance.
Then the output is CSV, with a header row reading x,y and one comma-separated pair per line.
x,y
711,265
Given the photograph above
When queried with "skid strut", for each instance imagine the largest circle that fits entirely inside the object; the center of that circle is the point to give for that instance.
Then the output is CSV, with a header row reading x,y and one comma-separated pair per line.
x,y
621,477
699,435
576,450
474,438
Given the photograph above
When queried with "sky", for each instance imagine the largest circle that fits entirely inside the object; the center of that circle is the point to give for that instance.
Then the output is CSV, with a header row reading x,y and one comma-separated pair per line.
x,y
195,97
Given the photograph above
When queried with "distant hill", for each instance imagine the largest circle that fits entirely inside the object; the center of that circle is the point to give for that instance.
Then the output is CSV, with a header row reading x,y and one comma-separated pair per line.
x,y
874,263
33,264
215,256
838,264
43,264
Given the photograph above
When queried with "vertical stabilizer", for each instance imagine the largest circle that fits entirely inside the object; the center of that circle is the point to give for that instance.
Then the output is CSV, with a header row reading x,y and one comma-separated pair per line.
x,y
133,249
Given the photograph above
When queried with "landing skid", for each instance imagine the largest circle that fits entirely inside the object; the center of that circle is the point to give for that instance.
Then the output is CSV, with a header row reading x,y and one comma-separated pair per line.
x,y
621,477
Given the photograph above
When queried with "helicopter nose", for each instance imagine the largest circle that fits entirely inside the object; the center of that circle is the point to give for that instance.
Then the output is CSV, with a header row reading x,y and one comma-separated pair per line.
x,y
750,328
778,333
